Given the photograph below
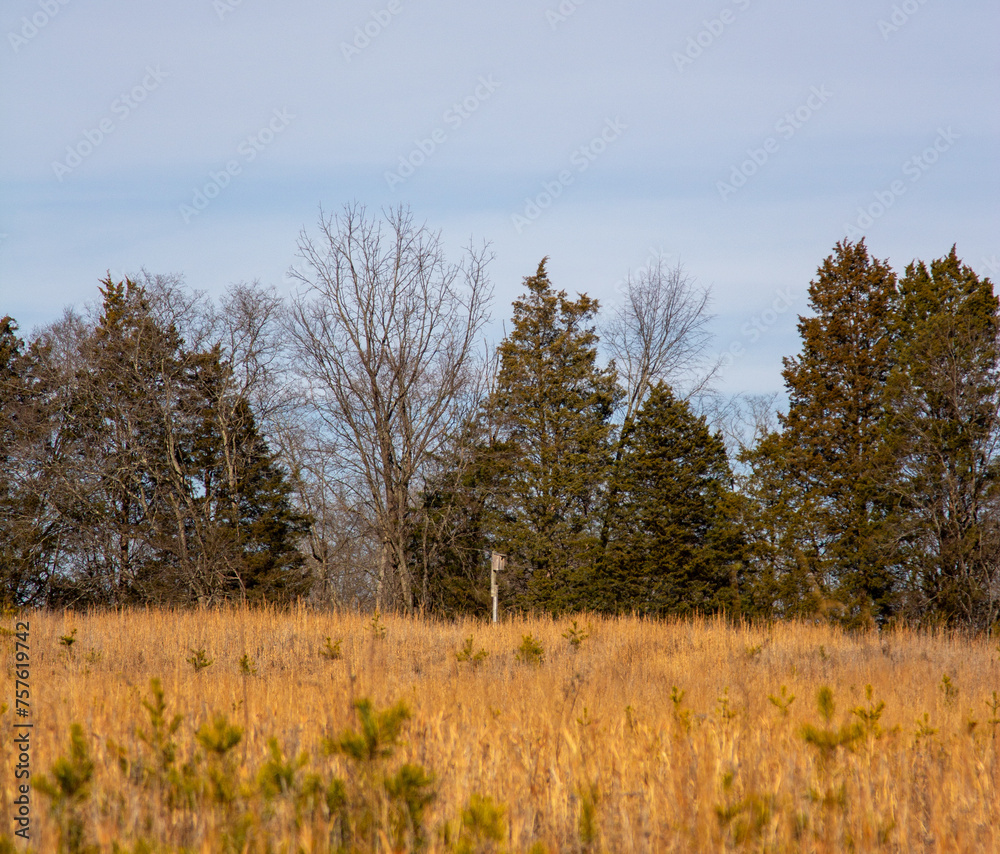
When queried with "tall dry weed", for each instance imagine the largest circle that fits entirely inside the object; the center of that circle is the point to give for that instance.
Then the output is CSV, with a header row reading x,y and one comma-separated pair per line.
x,y
682,736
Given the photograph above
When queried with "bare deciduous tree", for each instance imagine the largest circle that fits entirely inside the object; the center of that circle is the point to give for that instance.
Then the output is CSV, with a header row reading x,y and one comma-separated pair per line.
x,y
659,332
385,332
340,541
250,327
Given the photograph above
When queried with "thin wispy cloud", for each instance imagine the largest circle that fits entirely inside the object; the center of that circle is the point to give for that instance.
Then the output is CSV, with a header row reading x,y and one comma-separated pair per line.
x,y
200,137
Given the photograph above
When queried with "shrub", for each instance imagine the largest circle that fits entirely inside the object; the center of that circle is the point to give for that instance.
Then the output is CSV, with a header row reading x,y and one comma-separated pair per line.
x,y
466,653
198,659
332,651
576,636
530,651
68,789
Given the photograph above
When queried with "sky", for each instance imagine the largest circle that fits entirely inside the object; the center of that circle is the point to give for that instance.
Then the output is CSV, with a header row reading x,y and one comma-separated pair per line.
x,y
740,139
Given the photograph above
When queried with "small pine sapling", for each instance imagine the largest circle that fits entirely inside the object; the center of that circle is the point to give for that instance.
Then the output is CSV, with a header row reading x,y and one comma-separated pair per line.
x,y
782,703
466,653
829,738
682,716
949,689
994,707
530,651
587,826
68,641
483,826
198,659
576,636
331,650
68,790
870,717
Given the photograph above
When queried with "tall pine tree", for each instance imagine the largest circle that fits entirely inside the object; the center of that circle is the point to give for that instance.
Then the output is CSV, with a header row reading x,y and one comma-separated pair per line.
x,y
123,381
783,542
674,545
836,451
551,455
13,583
451,534
31,534
944,423
238,510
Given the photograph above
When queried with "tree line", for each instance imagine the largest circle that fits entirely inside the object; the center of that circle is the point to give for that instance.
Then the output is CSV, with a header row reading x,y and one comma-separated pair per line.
x,y
359,444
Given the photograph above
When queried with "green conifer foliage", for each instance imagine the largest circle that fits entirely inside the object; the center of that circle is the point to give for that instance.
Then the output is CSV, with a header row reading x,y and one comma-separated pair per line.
x,y
123,384
28,538
674,545
783,544
837,454
238,496
11,570
552,452
156,483
450,546
944,396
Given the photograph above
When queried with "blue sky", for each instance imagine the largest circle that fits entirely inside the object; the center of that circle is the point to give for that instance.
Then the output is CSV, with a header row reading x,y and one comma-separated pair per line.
x,y
740,138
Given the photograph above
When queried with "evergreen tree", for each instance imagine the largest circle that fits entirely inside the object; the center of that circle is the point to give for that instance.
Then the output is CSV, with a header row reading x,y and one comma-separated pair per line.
x,y
450,546
122,381
30,534
11,347
239,509
11,567
836,449
166,489
674,546
783,545
551,454
944,395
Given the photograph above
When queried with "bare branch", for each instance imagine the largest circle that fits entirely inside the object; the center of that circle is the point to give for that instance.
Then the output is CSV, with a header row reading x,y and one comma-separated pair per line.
x,y
659,332
385,333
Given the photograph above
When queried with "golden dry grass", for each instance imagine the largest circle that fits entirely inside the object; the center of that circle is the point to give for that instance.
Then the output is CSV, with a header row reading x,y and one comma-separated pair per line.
x,y
723,768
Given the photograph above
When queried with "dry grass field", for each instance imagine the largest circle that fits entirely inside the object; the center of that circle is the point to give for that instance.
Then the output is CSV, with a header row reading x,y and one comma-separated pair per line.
x,y
639,736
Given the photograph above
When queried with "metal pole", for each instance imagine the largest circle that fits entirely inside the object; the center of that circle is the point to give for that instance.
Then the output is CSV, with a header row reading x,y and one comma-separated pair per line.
x,y
497,563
